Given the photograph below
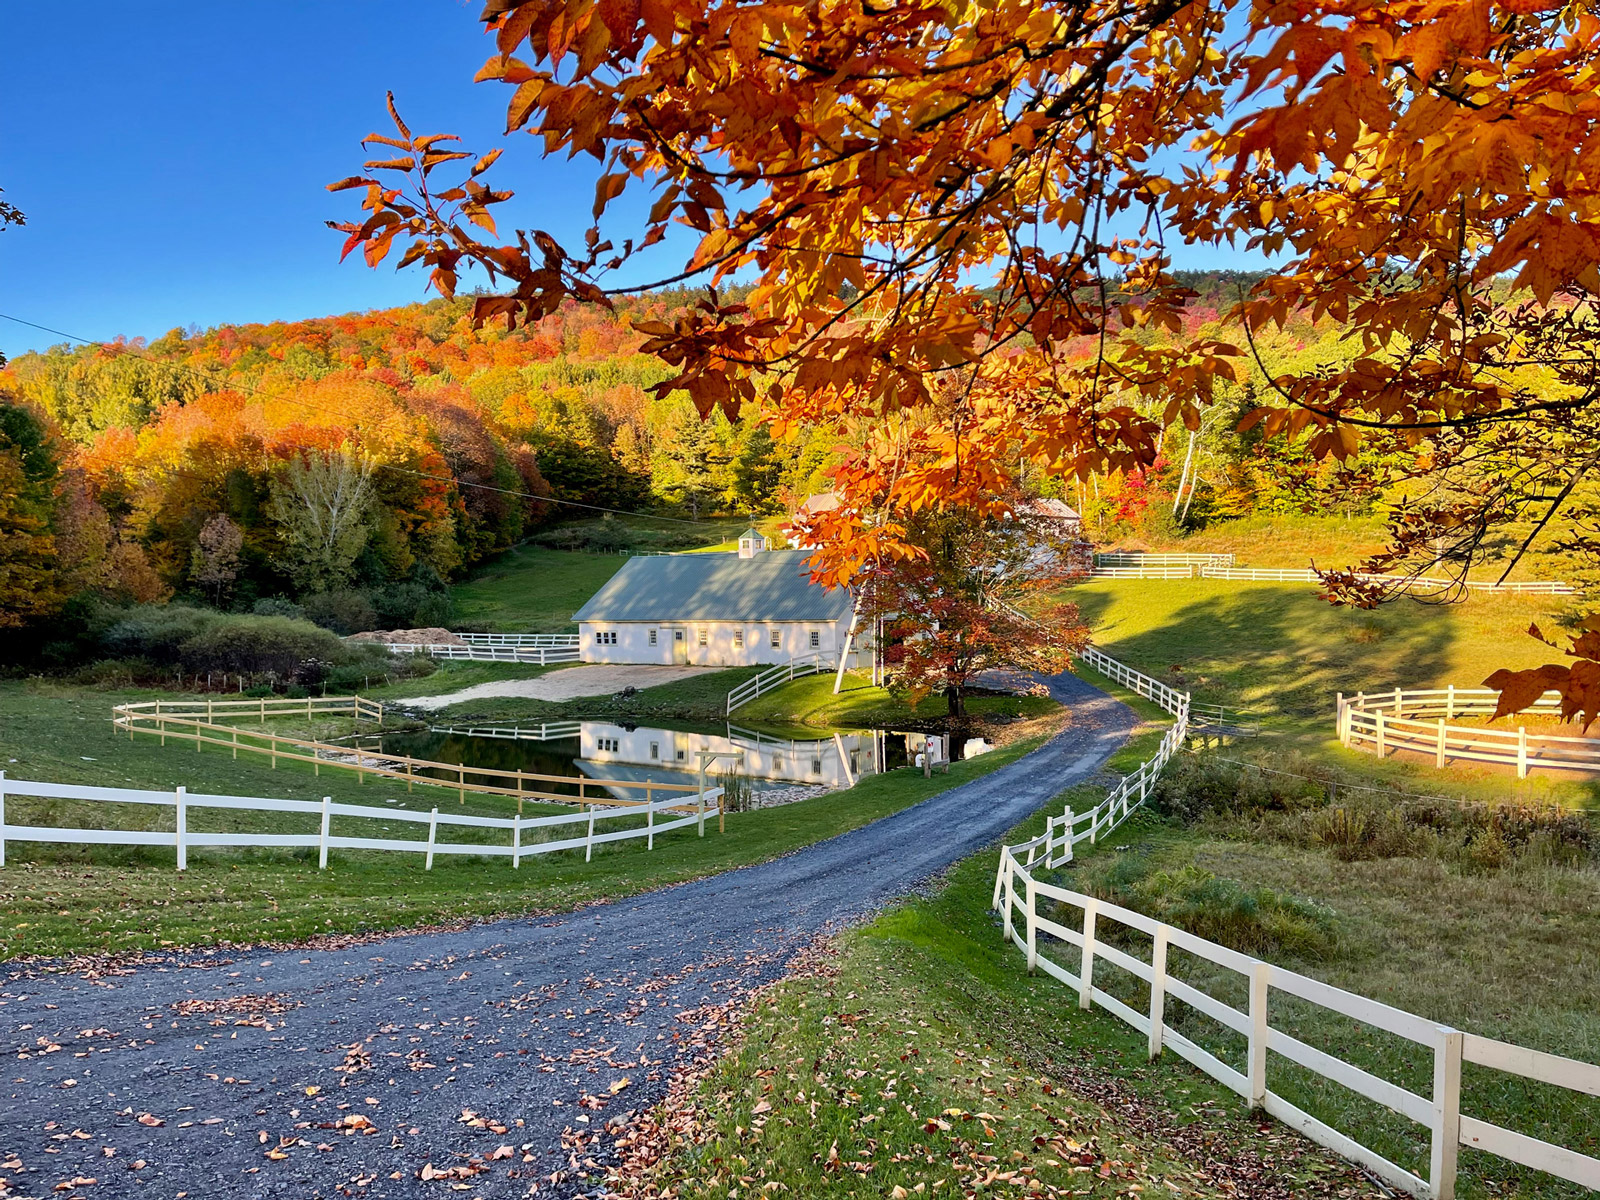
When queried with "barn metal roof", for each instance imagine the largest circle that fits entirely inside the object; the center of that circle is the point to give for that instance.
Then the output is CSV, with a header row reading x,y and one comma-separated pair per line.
x,y
773,586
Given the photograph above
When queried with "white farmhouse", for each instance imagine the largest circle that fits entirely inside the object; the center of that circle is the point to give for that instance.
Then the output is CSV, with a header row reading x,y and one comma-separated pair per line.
x,y
718,610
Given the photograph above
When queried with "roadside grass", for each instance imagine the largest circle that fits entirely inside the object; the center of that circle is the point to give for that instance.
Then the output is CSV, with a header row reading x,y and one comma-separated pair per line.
x,y
917,1058
532,590
860,705
1493,952
62,900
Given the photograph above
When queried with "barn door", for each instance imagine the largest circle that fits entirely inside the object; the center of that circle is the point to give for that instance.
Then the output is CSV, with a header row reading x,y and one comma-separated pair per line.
x,y
680,646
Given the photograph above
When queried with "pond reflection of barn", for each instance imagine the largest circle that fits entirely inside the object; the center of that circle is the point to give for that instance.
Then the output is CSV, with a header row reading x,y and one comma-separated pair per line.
x,y
668,754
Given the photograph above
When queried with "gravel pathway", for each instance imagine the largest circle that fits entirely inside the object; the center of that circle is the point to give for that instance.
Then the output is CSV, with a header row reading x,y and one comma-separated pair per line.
x,y
569,683
460,1063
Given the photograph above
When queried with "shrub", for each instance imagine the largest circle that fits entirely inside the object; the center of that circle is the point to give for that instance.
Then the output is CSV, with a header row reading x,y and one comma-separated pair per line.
x,y
278,606
344,611
198,640
1251,920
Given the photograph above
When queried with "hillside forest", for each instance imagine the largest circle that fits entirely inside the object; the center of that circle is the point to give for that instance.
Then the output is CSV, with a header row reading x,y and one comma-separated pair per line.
x,y
347,468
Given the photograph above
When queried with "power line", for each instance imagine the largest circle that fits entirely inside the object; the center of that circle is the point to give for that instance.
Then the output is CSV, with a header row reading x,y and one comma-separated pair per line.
x,y
460,483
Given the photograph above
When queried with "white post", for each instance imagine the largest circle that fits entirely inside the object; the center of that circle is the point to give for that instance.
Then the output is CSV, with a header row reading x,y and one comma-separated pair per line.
x,y
1377,719
999,882
1158,991
700,823
1438,757
1258,1035
180,840
588,846
1071,819
1446,1115
1397,711
1086,970
1339,720
516,842
649,821
433,833
1033,937
1522,751
1011,900
1450,703
322,844
2,818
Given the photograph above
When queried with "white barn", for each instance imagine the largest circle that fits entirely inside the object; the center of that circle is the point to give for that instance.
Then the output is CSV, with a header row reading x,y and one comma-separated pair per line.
x,y
717,610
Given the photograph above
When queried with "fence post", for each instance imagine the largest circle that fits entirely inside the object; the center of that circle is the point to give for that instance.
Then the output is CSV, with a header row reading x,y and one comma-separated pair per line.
x,y
1158,991
2,818
588,845
1377,719
182,823
1258,1035
322,844
516,841
1522,751
1071,819
1086,970
700,823
1339,726
999,882
263,710
433,832
1033,936
1397,711
1011,900
1450,703
1438,758
1446,1114
649,820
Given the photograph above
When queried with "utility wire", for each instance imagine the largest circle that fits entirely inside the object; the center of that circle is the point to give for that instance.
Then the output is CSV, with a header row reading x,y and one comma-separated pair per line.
x,y
211,381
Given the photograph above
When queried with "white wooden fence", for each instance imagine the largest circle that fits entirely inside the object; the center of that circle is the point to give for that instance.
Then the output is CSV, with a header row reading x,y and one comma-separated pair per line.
x,y
1418,720
551,641
538,655
1221,566
775,677
545,731
1440,1112
679,813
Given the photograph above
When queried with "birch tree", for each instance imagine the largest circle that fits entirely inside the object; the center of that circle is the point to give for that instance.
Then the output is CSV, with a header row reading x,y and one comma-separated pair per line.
x,y
321,503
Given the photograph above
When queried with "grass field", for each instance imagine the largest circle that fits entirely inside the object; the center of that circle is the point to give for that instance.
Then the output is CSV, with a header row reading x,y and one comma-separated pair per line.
x,y
860,705
56,900
532,590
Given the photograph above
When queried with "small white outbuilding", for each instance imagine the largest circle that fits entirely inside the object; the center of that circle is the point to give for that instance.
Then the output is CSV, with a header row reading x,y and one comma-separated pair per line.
x,y
722,610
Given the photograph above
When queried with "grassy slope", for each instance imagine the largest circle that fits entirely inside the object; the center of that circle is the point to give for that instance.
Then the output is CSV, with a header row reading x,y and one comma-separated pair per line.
x,y
60,900
533,590
859,705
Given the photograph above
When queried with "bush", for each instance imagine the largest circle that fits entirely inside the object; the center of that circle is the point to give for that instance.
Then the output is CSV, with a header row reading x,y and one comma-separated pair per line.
x,y
1251,920
198,640
277,606
344,611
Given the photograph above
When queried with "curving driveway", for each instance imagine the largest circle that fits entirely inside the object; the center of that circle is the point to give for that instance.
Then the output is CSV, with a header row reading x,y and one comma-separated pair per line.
x,y
464,1063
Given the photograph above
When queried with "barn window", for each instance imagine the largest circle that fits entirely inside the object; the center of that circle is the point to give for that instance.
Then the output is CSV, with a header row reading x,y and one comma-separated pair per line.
x,y
738,639
777,639
816,639
655,749
652,637
606,638
702,637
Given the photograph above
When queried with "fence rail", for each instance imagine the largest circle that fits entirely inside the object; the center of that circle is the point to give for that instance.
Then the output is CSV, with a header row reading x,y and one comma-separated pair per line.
x,y
1449,1128
538,655
547,731
1221,566
775,677
160,718
1418,720
553,641
182,838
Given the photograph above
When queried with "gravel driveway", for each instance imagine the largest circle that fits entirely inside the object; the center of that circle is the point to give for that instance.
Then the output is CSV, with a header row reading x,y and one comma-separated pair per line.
x,y
599,679
416,1063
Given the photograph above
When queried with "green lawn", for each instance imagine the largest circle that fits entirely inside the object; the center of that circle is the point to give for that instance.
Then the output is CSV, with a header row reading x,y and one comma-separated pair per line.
x,y
859,705
532,590
56,900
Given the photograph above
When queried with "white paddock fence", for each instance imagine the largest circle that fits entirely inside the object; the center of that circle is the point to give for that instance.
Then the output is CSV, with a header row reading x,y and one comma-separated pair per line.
x,y
1418,719
548,641
775,677
679,814
1440,1112
538,655
1221,566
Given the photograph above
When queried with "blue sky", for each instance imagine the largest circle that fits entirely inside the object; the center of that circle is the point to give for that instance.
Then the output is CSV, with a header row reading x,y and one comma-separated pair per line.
x,y
172,157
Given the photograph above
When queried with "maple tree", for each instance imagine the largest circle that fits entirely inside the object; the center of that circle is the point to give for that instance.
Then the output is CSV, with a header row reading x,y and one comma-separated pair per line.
x,y
948,611
925,192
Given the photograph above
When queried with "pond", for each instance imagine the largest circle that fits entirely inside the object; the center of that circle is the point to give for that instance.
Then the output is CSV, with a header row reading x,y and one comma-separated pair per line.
x,y
624,757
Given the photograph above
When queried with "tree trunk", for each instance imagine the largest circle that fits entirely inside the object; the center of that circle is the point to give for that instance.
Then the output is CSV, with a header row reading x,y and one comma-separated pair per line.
x,y
957,701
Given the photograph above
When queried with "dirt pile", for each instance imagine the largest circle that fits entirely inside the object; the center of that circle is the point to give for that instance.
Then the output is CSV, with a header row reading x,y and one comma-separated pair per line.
x,y
409,637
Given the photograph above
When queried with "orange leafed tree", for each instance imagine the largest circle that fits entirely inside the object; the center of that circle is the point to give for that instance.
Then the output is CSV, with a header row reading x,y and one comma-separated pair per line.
x,y
959,221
